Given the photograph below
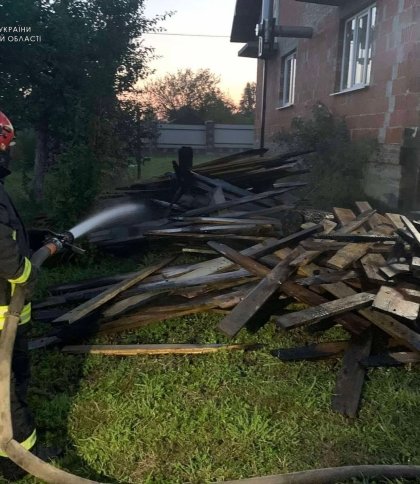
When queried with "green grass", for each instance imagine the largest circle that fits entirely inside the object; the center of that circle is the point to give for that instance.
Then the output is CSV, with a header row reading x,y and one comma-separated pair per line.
x,y
198,419
162,163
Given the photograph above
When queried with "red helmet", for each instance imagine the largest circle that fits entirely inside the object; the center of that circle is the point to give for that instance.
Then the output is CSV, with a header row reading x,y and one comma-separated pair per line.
x,y
7,133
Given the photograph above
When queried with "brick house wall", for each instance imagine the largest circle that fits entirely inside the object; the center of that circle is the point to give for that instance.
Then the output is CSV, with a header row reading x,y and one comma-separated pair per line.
x,y
388,109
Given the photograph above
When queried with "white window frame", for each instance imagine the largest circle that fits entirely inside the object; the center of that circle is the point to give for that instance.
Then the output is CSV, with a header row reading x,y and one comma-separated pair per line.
x,y
353,59
288,95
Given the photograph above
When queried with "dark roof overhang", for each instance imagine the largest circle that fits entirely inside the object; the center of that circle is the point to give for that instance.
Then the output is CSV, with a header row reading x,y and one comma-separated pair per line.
x,y
247,15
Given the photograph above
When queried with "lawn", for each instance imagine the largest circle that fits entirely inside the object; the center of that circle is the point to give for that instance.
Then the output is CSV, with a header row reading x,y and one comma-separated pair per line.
x,y
198,419
162,163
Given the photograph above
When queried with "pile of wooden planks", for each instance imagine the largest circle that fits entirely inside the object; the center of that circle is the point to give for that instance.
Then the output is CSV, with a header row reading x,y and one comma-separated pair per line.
x,y
183,203
360,271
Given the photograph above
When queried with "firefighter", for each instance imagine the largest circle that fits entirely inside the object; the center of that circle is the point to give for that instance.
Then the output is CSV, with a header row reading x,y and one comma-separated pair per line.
x,y
15,268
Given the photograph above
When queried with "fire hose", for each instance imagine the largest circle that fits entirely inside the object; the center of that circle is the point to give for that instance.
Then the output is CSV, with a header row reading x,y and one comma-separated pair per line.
x,y
48,473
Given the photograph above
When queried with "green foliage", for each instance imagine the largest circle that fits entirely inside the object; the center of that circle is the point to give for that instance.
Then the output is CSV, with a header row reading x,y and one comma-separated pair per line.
x,y
71,186
248,102
189,95
65,86
337,167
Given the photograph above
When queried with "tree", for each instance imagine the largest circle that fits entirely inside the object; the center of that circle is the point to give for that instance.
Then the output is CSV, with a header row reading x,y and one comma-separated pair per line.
x,y
66,85
248,101
189,94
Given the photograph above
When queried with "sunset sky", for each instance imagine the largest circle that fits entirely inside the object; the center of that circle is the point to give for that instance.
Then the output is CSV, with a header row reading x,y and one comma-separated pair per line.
x,y
213,17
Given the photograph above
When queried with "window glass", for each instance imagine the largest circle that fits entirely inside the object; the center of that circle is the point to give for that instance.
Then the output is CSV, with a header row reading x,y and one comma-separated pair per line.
x,y
362,33
348,53
287,95
370,44
357,48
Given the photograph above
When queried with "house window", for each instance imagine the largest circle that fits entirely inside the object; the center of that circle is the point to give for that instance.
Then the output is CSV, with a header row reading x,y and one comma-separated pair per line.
x,y
287,91
357,50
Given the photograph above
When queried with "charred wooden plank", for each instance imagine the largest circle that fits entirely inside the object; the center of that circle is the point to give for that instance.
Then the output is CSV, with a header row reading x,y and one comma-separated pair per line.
x,y
327,277
361,238
46,315
162,313
261,212
329,226
347,255
371,264
377,222
352,322
235,229
415,266
306,258
326,310
396,358
357,223
344,215
244,261
182,282
130,303
412,229
395,220
239,201
349,384
190,235
390,300
311,352
256,299
386,323
392,270
321,245
101,299
262,249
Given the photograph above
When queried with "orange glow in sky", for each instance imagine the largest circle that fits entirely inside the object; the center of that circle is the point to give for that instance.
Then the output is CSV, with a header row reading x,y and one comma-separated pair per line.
x,y
218,54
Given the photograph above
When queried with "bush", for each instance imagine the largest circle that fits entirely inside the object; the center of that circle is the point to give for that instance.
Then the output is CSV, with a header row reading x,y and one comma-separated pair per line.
x,y
338,164
71,187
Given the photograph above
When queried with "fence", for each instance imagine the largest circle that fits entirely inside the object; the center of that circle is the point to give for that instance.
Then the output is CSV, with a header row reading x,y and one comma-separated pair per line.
x,y
208,137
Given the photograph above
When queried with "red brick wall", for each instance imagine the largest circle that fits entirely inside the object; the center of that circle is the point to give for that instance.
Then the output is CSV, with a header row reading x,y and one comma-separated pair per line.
x,y
391,102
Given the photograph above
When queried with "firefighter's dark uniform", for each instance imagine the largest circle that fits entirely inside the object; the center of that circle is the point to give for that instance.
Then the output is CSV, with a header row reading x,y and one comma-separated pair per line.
x,y
15,268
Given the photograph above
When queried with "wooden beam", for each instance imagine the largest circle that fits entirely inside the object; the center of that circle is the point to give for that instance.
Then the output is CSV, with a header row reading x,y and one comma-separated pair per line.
x,y
333,3
327,278
239,201
371,264
352,322
390,300
326,310
386,323
347,255
246,309
357,223
395,220
415,266
244,261
98,301
162,313
391,359
349,384
155,349
410,226
378,223
311,352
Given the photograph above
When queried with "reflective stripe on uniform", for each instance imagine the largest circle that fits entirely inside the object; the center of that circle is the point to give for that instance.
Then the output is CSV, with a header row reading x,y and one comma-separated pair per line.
x,y
25,315
25,274
26,444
